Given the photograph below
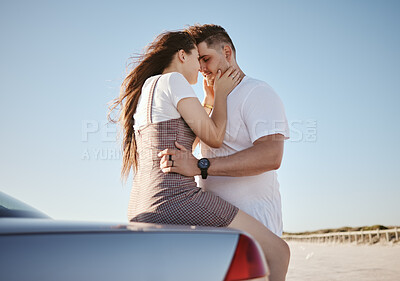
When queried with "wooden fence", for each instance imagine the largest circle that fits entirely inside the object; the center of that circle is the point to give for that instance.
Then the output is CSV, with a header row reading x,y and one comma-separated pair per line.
x,y
372,236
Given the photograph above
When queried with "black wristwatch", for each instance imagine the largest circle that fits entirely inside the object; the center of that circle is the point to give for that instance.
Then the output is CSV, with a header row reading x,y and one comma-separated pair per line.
x,y
203,164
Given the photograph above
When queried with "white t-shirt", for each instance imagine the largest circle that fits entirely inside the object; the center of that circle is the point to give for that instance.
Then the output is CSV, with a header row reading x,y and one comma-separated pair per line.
x,y
254,111
170,89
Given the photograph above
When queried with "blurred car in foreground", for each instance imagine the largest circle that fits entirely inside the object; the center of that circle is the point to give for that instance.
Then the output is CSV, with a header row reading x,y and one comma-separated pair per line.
x,y
35,247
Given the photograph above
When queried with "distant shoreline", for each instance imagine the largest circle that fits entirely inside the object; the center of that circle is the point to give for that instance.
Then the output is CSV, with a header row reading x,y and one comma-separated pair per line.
x,y
342,229
358,235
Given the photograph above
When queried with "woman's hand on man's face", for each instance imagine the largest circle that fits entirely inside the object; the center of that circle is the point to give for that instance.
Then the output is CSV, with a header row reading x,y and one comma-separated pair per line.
x,y
225,83
208,89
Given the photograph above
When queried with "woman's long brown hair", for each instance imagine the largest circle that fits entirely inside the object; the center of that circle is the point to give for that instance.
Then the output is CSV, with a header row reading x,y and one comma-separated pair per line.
x,y
157,56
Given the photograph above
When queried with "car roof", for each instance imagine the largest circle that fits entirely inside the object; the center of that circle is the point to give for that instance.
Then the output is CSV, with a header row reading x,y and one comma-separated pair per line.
x,y
13,208
34,225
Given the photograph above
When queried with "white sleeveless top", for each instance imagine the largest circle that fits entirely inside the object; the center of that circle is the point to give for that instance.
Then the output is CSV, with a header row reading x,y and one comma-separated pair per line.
x,y
170,89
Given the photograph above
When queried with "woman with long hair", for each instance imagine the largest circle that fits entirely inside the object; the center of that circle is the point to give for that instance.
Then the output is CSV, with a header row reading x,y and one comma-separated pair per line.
x,y
157,108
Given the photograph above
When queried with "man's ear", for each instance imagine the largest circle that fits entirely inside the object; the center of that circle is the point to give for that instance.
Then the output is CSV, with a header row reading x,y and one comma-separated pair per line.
x,y
228,53
181,55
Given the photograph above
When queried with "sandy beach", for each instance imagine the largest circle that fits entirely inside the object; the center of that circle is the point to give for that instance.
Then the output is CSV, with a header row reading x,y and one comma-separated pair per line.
x,y
312,261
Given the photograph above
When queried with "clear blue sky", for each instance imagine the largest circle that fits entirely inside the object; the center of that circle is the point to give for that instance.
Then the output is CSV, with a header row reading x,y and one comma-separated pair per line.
x,y
335,64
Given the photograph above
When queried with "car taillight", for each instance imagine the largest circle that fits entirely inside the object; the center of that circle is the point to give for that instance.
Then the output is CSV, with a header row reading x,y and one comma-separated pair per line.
x,y
248,261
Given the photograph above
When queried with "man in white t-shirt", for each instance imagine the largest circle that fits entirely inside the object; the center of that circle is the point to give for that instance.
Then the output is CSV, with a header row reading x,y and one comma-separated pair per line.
x,y
243,170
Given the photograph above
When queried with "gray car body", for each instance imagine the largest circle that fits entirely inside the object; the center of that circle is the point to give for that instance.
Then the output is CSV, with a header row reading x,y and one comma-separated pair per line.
x,y
44,249
36,247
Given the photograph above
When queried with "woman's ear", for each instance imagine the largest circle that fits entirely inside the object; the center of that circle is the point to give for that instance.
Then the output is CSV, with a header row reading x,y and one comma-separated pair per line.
x,y
181,55
228,53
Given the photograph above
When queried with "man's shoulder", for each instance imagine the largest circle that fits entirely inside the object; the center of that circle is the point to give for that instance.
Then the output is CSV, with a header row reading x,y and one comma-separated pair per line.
x,y
257,90
252,84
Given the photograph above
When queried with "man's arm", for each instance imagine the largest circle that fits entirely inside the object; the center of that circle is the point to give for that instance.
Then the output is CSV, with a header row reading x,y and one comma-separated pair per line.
x,y
265,155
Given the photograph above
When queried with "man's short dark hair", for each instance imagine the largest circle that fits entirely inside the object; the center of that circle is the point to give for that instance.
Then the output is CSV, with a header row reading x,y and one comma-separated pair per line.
x,y
211,34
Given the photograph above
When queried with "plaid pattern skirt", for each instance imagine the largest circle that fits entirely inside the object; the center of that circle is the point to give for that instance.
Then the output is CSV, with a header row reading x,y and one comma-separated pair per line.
x,y
171,198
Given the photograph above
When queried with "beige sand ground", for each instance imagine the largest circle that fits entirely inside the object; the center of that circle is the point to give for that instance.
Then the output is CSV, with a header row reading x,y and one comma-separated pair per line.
x,y
311,261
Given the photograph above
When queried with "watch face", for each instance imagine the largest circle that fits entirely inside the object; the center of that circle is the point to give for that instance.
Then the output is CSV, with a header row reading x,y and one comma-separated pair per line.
x,y
204,163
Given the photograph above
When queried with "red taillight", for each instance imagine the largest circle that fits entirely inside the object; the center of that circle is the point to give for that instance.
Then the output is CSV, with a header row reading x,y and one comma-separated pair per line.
x,y
248,261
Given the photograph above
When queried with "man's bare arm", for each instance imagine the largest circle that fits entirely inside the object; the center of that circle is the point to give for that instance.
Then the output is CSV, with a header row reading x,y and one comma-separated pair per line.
x,y
265,155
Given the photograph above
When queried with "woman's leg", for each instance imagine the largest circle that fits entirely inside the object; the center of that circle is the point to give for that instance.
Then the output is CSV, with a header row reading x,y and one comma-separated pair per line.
x,y
276,251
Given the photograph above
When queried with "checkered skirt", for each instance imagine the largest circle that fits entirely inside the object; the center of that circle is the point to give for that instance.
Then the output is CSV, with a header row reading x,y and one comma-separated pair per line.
x,y
171,198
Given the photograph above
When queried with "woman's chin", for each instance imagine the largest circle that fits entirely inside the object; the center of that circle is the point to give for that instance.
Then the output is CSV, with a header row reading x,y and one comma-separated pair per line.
x,y
194,81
